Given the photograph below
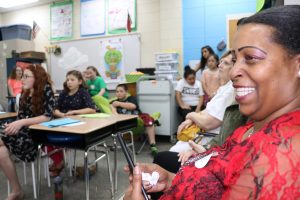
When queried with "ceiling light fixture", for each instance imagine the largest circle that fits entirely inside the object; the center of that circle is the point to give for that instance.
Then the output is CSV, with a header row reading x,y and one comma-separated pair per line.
x,y
14,3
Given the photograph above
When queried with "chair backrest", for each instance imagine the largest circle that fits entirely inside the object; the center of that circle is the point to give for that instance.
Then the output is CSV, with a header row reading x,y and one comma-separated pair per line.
x,y
232,120
17,102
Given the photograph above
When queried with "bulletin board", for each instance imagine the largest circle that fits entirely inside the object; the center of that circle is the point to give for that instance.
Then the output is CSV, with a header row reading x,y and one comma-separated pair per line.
x,y
78,54
92,21
61,20
118,11
231,26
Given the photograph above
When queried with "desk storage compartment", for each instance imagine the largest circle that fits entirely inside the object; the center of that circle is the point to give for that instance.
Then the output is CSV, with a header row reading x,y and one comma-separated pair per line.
x,y
167,66
16,31
170,75
163,57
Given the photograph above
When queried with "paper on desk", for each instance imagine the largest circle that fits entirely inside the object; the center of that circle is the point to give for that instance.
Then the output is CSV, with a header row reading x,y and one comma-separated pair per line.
x,y
95,115
2,112
60,122
75,124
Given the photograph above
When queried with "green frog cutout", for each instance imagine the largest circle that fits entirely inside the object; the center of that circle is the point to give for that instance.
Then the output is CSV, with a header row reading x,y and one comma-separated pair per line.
x,y
112,58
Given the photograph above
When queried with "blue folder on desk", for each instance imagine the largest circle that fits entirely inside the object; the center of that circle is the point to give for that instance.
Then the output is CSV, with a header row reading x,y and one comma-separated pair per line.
x,y
60,122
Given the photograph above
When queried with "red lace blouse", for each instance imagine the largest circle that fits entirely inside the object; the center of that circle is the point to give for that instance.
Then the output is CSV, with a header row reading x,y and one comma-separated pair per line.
x,y
265,165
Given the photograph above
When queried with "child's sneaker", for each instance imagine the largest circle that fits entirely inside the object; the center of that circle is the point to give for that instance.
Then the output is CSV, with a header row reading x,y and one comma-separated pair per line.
x,y
154,150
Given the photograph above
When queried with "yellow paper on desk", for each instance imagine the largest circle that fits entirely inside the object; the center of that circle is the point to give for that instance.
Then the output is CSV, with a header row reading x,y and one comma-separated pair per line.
x,y
95,115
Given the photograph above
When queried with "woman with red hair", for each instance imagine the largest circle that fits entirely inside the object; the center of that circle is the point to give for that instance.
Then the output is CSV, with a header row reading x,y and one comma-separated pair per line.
x,y
36,106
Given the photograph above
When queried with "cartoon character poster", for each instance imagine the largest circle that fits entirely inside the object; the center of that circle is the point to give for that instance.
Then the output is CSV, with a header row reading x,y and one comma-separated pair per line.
x,y
113,60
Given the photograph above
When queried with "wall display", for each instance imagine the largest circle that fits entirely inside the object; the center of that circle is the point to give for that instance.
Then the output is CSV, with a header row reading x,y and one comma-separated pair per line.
x,y
112,56
61,20
92,20
118,13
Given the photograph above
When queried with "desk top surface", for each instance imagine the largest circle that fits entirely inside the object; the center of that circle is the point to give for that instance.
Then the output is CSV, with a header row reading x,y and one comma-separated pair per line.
x,y
90,124
8,115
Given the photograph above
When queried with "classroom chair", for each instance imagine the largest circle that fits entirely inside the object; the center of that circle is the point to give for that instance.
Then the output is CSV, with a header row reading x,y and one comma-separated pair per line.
x,y
32,164
60,139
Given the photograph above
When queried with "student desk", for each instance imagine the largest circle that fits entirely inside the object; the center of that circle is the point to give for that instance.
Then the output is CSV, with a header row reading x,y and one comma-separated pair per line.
x,y
7,116
92,131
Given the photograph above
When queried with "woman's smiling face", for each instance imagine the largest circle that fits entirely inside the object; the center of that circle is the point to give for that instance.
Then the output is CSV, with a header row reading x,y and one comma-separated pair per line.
x,y
264,76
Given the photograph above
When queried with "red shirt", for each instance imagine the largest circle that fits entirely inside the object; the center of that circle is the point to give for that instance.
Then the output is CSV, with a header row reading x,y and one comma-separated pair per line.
x,y
265,165
16,86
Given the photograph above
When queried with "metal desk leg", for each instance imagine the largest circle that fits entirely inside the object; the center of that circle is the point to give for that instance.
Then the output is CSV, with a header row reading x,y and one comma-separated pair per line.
x,y
39,171
86,169
115,163
109,173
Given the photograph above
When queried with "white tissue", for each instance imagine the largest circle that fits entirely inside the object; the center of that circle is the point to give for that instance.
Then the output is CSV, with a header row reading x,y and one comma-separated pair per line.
x,y
152,179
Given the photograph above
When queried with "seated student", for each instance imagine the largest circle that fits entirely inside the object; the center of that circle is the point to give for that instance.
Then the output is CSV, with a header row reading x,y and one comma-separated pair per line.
x,y
36,105
261,159
73,100
189,93
95,82
211,118
14,84
128,105
210,78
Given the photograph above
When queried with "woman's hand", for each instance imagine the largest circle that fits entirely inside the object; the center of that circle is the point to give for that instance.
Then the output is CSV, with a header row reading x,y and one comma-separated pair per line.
x,y
134,191
187,123
198,148
71,112
14,127
185,155
116,104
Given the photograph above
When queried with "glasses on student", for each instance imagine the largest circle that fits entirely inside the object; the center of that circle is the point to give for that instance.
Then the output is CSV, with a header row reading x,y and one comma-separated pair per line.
x,y
25,76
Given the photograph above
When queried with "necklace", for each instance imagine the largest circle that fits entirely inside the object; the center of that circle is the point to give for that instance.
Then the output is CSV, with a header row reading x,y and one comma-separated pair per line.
x,y
250,131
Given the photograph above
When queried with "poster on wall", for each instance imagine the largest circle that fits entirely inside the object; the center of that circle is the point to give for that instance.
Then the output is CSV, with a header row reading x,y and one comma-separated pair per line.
x,y
112,69
61,20
120,12
92,20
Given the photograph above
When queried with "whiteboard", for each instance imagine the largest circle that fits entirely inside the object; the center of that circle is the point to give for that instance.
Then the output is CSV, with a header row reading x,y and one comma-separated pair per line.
x,y
78,54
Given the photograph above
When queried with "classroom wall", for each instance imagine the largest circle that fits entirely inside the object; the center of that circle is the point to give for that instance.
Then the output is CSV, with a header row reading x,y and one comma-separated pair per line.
x,y
40,14
158,22
204,23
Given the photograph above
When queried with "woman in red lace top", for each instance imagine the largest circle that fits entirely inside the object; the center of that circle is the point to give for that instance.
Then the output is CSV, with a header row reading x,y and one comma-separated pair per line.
x,y
261,160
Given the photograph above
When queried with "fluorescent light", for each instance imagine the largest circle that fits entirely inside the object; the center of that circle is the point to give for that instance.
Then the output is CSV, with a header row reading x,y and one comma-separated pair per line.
x,y
14,3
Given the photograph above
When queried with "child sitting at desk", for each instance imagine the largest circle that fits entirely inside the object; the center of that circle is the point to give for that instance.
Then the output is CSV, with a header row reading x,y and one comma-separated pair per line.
x,y
73,100
36,106
128,105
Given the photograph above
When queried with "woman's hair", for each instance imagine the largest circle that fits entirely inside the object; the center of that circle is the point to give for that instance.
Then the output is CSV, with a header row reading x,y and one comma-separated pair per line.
x,y
38,98
13,74
285,21
94,69
203,60
124,86
79,76
227,53
188,71
216,57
